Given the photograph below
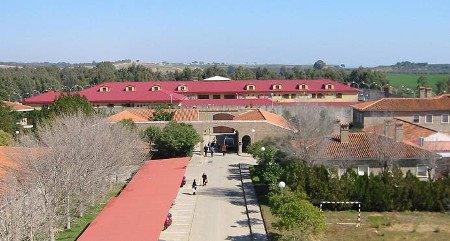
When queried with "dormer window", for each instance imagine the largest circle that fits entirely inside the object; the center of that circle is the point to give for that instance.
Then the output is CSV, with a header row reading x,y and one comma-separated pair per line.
x,y
182,88
130,88
328,86
276,87
250,87
155,87
302,86
104,89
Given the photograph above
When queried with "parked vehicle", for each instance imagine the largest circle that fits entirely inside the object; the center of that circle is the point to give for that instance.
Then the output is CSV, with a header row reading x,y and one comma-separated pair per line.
x,y
168,221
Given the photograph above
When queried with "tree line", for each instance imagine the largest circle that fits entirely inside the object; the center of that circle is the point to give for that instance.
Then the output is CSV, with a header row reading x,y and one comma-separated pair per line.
x,y
17,83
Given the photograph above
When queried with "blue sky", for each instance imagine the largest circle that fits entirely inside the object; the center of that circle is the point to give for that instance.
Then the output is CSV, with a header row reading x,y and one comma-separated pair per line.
x,y
353,33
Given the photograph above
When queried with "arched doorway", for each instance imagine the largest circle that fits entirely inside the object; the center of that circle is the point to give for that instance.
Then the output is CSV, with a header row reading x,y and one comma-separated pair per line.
x,y
246,141
224,135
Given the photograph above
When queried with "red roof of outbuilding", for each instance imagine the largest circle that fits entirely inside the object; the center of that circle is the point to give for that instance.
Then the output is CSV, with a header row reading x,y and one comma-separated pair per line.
x,y
140,210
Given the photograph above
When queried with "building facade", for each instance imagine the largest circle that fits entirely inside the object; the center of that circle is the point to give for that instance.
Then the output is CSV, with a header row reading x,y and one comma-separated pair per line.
x,y
209,92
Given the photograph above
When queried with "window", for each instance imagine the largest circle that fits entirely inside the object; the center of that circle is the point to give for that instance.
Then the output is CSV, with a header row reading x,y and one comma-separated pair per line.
x,y
250,87
293,96
104,89
328,86
203,97
422,171
416,118
276,87
182,88
156,87
229,97
129,88
286,96
339,95
444,118
302,87
320,96
429,119
110,105
313,96
216,96
363,170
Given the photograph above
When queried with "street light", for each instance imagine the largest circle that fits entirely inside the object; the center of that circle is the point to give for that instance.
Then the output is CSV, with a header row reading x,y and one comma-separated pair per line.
x,y
281,185
253,134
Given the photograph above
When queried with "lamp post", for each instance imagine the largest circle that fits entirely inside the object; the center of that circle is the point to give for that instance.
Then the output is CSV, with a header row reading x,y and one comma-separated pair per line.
x,y
171,99
271,98
253,134
282,185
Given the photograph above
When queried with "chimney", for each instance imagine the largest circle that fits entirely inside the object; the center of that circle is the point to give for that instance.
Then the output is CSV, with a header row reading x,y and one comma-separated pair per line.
x,y
344,133
429,92
421,141
336,126
422,93
388,130
398,132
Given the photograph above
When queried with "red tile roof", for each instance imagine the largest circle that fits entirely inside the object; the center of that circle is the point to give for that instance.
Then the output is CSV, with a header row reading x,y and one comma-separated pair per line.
x,y
18,106
144,115
44,98
142,93
411,131
140,210
264,115
405,104
366,146
437,146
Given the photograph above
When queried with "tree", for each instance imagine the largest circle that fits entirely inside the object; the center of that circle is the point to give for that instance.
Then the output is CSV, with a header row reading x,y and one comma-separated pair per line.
x,y
367,76
421,81
176,140
443,86
8,119
69,166
128,123
296,214
5,138
149,135
242,73
213,71
162,114
69,104
319,64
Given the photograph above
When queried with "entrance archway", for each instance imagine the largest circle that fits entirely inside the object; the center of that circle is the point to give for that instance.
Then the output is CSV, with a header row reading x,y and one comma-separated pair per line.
x,y
224,135
246,141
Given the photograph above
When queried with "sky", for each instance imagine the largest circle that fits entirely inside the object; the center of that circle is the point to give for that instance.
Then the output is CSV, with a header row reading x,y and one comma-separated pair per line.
x,y
354,33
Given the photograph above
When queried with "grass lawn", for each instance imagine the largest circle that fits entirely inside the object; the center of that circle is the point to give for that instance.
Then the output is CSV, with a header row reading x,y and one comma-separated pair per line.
x,y
410,80
79,224
411,226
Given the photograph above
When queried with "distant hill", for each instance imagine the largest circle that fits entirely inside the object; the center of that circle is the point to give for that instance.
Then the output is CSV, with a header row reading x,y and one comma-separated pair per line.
x,y
407,67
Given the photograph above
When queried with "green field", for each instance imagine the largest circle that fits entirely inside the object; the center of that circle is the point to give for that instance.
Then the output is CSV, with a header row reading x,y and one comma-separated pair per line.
x,y
410,80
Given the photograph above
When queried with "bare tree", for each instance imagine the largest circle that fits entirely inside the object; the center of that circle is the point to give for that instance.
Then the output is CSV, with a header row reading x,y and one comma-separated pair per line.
x,y
314,124
70,166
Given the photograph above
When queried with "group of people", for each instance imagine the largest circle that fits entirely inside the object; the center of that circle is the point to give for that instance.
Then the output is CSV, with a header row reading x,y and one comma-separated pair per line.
x,y
194,183
211,146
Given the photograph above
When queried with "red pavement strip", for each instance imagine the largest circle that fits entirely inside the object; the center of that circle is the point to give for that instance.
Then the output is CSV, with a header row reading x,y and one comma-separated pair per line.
x,y
140,210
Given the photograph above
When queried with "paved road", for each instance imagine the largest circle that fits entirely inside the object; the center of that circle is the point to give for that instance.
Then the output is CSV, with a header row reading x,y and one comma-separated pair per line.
x,y
218,211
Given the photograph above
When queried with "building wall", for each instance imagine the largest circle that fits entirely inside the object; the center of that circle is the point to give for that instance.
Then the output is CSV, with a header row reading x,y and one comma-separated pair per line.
x,y
376,117
376,168
262,129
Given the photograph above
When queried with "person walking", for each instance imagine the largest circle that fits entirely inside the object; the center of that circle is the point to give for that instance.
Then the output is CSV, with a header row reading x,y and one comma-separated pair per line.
x,y
205,148
211,149
205,179
194,187
224,149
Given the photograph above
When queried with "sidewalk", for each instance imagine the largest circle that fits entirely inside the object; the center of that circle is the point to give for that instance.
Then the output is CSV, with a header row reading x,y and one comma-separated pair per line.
x,y
218,210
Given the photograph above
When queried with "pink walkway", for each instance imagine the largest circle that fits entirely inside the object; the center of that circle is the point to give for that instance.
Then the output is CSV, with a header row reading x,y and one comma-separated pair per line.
x,y
139,212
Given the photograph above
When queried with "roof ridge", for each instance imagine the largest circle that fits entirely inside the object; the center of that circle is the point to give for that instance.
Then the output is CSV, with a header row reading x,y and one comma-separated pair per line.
x,y
414,124
374,102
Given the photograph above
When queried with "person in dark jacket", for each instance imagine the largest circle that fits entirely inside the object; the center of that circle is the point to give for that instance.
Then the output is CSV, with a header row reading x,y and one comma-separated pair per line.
x,y
205,148
224,149
205,179
194,186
